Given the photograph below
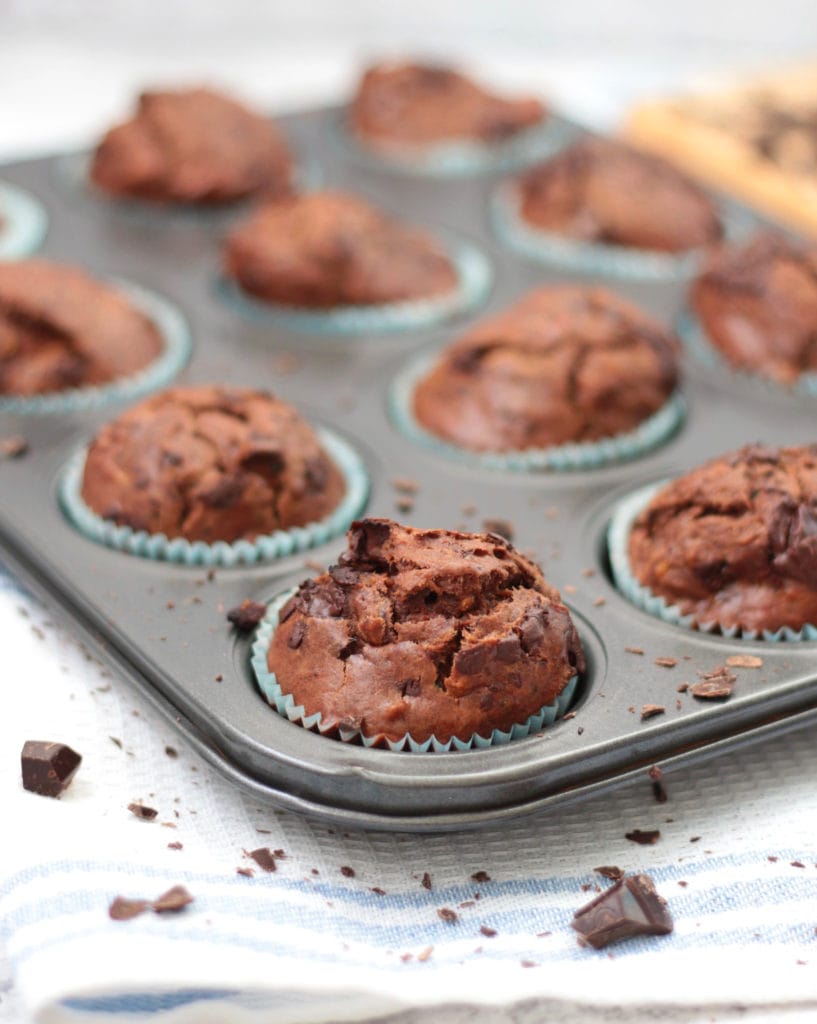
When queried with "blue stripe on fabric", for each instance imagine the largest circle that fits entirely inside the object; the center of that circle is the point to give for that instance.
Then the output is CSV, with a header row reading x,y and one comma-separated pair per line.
x,y
147,1002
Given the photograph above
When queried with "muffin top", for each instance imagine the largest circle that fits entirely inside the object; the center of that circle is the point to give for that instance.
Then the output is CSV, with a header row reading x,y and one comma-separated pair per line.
x,y
758,305
427,632
563,364
598,190
401,105
192,146
61,329
326,249
735,541
209,463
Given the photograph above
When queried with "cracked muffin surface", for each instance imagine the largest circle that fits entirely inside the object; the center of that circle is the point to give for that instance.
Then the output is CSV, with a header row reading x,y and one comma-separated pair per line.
x,y
599,190
426,632
329,249
62,329
563,364
210,464
758,305
735,541
401,105
192,146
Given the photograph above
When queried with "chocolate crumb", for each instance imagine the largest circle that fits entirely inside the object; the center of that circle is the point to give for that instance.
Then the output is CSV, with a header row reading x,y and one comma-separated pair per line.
x,y
694,839
502,527
405,957
481,877
405,484
634,650
264,858
651,710
659,792
610,871
143,812
797,864
772,858
448,915
13,447
425,881
347,872
666,662
644,838
744,661
543,935
599,601
247,615
246,872
489,933
528,963
630,907
174,899
655,772
682,688
220,678
422,957
588,573
404,505
377,890
171,752
116,741
683,884
175,846
123,909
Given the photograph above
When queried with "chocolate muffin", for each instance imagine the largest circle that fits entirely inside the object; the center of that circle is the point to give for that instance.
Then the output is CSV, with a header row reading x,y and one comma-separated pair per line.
x,y
427,632
192,146
598,190
61,329
329,249
757,303
735,541
209,463
563,364
400,106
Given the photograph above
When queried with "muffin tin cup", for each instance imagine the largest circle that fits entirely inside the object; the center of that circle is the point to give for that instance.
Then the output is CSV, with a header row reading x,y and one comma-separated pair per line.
x,y
618,536
474,277
286,706
266,548
464,158
598,258
654,431
175,332
696,340
23,222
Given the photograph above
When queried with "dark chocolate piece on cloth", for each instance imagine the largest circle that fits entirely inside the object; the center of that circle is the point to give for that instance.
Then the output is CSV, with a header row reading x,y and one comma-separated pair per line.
x,y
264,858
176,898
247,615
48,768
629,908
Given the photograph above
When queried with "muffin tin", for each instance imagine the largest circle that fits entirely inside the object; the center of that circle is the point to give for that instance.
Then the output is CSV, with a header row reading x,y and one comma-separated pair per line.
x,y
164,626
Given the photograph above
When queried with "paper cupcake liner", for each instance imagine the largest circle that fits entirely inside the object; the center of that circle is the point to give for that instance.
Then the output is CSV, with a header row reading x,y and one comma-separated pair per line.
x,y
474,278
598,257
73,170
464,158
285,705
696,340
583,455
23,222
266,548
175,332
618,536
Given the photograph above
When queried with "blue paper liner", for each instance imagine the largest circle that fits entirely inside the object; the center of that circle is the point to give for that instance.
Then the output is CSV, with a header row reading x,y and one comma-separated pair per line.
x,y
583,455
597,257
464,158
285,704
474,278
175,332
266,548
696,340
618,536
23,222
73,170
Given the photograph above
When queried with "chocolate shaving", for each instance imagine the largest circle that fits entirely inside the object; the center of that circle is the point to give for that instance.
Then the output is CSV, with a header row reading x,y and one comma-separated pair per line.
x,y
715,685
425,881
651,710
448,915
629,908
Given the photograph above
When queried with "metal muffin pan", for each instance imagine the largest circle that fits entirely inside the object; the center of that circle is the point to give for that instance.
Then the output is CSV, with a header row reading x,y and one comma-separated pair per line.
x,y
164,626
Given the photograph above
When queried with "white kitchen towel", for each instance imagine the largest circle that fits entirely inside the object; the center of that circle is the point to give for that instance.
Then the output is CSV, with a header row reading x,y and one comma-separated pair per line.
x,y
314,942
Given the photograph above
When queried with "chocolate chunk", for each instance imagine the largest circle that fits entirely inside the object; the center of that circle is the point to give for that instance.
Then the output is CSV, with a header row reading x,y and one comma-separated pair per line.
x,y
610,871
13,447
425,881
629,908
143,812
297,635
174,899
471,660
247,615
448,915
715,685
347,872
646,838
264,858
123,909
48,768
651,710
489,933
481,877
